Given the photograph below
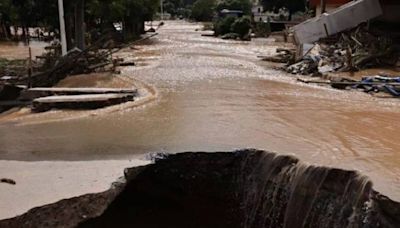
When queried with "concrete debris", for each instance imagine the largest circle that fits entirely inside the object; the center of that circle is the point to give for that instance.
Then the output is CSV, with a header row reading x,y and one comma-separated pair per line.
x,y
345,17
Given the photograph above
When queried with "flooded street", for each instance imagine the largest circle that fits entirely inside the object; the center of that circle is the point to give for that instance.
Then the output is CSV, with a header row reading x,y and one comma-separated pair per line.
x,y
214,94
20,50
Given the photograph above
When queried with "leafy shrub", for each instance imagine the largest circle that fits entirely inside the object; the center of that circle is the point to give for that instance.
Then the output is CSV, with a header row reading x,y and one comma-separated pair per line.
x,y
241,26
223,26
203,10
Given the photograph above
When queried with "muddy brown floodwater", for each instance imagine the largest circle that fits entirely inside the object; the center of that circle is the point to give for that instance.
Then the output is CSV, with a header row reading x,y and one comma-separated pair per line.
x,y
20,50
215,95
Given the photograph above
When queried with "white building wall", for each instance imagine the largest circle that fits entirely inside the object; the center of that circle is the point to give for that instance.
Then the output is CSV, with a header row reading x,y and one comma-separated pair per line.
x,y
345,17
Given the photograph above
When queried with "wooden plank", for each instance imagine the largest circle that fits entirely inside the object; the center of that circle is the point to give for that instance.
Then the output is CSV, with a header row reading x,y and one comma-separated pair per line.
x,y
82,90
92,101
79,98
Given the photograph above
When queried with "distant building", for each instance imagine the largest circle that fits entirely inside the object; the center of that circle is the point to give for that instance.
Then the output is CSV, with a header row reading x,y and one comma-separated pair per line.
x,y
258,13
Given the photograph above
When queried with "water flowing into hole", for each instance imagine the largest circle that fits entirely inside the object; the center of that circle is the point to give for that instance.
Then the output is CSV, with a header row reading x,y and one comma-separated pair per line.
x,y
247,188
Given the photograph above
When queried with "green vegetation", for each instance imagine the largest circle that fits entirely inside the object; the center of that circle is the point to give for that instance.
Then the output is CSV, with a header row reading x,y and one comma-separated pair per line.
x,y
223,26
261,29
203,10
235,27
232,27
99,15
242,27
292,5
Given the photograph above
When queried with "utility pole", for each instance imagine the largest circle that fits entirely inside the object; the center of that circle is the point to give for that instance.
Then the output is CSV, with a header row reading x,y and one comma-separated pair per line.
x,y
162,10
62,27
80,24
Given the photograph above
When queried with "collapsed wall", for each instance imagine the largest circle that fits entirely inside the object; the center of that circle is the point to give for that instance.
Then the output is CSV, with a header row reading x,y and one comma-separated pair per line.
x,y
247,188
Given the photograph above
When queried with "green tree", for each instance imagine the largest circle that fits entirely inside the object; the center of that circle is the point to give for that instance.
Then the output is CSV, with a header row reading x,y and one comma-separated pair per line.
x,y
132,14
98,14
292,5
7,16
223,26
241,26
203,10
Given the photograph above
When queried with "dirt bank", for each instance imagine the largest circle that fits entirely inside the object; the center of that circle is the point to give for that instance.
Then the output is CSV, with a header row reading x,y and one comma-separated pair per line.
x,y
39,183
246,188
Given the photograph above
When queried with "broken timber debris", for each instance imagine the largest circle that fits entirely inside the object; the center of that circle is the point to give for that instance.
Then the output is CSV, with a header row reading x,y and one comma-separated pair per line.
x,y
353,50
370,84
8,181
283,56
76,61
334,42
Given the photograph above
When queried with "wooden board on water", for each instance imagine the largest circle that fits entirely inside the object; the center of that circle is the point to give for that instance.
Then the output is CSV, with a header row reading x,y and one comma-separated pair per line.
x,y
89,101
82,90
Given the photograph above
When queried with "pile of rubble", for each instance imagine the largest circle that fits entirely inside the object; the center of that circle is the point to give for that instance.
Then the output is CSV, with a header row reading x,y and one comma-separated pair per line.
x,y
283,55
352,50
51,67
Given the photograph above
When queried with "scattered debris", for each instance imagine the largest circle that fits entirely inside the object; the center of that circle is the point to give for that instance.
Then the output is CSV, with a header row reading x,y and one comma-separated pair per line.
x,y
283,56
375,84
127,63
94,58
371,84
51,68
151,30
8,181
230,36
352,50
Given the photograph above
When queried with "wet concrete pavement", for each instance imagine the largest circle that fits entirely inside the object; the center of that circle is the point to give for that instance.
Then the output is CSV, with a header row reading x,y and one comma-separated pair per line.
x,y
215,94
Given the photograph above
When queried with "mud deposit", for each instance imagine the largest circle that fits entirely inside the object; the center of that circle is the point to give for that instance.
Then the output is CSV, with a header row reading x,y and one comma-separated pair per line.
x,y
247,188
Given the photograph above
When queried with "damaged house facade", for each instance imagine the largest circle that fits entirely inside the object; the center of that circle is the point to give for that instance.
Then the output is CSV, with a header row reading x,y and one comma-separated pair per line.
x,y
351,37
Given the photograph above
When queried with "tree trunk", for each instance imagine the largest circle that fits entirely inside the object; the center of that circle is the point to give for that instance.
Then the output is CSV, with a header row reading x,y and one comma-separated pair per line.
x,y
80,24
3,31
69,25
8,30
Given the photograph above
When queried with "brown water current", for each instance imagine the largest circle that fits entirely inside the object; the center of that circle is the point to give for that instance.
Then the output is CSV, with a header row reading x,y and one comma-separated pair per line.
x,y
215,94
20,50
